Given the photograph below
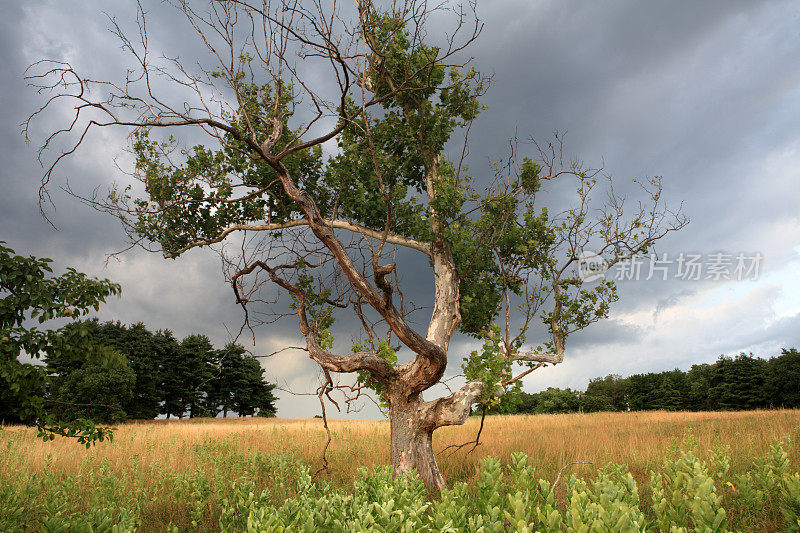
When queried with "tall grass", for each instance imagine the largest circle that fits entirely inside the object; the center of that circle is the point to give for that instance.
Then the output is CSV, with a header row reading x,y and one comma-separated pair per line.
x,y
180,472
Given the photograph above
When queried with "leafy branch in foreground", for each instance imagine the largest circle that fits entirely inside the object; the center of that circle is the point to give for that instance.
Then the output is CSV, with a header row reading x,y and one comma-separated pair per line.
x,y
30,294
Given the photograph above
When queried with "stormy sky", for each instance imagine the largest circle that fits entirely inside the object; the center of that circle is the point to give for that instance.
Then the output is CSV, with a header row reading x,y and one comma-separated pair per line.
x,y
705,94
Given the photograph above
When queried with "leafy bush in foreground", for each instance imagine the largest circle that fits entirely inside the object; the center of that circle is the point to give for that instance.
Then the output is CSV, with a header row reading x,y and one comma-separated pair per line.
x,y
684,498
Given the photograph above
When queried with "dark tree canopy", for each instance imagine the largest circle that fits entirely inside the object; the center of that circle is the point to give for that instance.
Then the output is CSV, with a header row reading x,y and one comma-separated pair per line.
x,y
239,385
128,372
99,389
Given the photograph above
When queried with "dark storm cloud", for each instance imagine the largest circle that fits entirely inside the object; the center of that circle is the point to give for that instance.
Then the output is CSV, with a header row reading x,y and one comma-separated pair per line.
x,y
706,94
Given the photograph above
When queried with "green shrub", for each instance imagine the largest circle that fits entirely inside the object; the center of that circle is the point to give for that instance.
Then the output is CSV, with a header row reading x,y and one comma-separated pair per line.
x,y
506,498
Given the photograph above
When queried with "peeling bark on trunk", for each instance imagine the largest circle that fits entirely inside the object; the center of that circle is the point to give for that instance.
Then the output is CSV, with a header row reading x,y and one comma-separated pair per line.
x,y
412,423
412,444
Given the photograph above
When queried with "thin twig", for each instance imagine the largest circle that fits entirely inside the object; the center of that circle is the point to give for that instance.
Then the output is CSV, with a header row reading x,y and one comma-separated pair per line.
x,y
321,394
558,477
475,442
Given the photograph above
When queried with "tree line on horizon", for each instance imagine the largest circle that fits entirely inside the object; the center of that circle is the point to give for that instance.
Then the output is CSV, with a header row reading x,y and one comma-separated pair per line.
x,y
735,383
131,373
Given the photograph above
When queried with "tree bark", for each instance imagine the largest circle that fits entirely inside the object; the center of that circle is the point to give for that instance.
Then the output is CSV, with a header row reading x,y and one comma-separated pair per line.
x,y
412,422
411,442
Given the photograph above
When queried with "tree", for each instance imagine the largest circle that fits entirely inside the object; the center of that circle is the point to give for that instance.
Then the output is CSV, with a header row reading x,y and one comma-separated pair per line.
x,y
30,294
194,373
334,231
169,352
188,370
672,391
738,383
555,400
783,379
610,391
99,390
239,384
254,393
699,379
641,390
140,348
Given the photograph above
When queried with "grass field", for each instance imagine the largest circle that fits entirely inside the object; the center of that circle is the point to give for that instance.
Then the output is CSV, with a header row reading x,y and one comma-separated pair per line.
x,y
180,472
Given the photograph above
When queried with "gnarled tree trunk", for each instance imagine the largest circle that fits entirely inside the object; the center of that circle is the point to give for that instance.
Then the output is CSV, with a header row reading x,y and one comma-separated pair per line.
x,y
413,420
411,443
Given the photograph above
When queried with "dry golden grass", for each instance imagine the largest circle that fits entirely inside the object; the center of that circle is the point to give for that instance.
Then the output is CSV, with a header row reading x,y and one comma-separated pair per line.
x,y
639,440
148,453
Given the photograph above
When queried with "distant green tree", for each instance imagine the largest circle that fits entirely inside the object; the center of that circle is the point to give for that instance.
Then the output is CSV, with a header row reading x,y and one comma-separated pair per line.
x,y
256,394
524,402
227,380
742,382
172,384
670,395
29,292
783,379
194,373
555,400
239,385
699,383
607,394
141,349
739,383
641,389
593,404
99,390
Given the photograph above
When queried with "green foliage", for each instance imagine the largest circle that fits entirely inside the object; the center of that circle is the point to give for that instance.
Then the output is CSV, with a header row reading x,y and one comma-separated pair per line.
x,y
193,373
145,352
611,503
685,497
783,379
319,311
30,293
173,385
529,175
197,199
129,372
239,385
738,383
790,504
551,400
491,367
505,498
98,390
388,354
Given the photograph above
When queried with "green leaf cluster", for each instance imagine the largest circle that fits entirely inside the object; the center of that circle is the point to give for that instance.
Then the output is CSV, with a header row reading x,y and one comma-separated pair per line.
x,y
385,352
